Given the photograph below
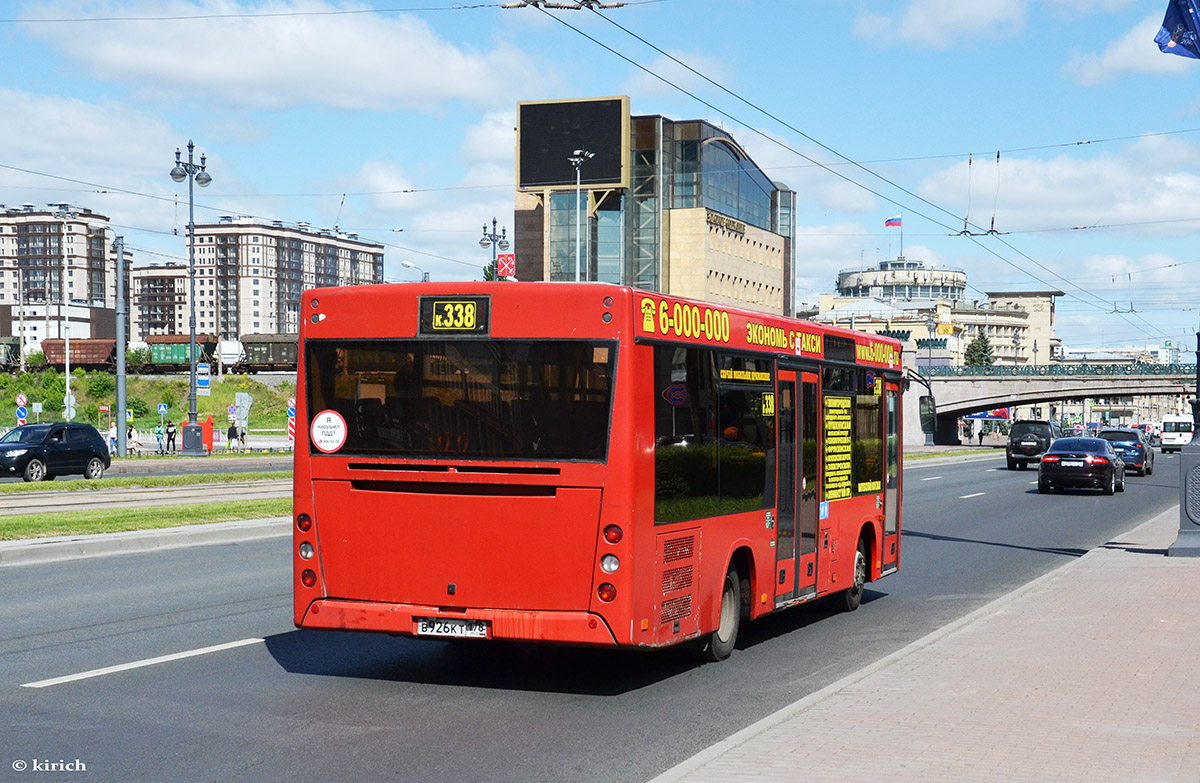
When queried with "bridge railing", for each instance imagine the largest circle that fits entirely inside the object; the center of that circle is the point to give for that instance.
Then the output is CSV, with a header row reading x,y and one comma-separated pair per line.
x,y
1059,370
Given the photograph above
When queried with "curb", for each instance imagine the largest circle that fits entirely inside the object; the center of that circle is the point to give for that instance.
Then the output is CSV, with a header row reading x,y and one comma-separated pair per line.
x,y
49,550
681,770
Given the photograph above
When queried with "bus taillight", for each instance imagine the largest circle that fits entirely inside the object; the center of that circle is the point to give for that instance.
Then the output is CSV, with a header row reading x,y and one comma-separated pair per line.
x,y
606,592
304,523
613,534
309,577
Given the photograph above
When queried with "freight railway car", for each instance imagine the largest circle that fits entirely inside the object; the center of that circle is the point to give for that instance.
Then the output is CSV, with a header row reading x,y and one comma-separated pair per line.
x,y
268,352
10,357
86,353
169,352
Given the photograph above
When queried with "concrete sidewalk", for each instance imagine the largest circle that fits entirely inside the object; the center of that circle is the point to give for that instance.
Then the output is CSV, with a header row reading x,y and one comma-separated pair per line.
x,y
1087,674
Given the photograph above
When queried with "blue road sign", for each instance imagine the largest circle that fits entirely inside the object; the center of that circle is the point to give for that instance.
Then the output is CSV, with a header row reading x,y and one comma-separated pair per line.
x,y
162,407
21,412
291,413
232,410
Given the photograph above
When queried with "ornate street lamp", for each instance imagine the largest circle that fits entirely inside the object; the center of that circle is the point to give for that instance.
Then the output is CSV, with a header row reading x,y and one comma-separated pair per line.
x,y
492,240
193,445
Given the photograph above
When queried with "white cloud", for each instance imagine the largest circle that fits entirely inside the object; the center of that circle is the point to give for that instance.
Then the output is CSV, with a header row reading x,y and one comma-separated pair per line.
x,y
642,85
493,139
1146,182
944,24
344,61
1134,52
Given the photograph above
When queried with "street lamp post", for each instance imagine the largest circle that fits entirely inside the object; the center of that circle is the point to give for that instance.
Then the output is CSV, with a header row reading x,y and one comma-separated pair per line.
x,y
1035,352
930,325
192,439
577,159
1016,349
492,240
64,313
411,265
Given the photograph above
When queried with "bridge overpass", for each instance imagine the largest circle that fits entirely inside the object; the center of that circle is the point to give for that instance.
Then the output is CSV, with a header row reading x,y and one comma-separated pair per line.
x,y
962,390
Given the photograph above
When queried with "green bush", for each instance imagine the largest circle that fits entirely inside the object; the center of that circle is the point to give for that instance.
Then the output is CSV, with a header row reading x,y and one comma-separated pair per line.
x,y
139,406
101,385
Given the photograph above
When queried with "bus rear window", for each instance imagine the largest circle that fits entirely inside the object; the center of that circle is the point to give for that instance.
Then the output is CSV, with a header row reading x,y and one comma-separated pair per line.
x,y
474,399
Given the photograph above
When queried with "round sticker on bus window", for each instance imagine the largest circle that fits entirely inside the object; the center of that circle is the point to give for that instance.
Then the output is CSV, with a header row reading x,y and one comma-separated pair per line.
x,y
328,431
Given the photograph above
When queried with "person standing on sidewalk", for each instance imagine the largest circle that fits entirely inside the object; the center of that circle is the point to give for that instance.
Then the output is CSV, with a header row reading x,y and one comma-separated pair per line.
x,y
158,435
231,438
171,430
112,438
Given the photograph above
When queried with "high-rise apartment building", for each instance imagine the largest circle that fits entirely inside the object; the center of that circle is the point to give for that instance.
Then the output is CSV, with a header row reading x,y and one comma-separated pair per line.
x,y
57,274
250,277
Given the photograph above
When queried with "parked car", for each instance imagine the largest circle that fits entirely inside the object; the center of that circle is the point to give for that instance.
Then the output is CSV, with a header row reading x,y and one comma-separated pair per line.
x,y
37,452
1131,444
1081,462
1027,440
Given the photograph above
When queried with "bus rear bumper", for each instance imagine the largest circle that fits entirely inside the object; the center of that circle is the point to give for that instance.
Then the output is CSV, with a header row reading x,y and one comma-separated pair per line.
x,y
561,627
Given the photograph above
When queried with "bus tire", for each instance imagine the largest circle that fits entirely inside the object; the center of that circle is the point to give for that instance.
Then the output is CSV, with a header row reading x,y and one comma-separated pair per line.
x,y
719,644
849,599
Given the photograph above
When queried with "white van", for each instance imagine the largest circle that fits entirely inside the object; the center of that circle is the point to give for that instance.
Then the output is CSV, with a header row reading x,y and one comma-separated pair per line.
x,y
1176,432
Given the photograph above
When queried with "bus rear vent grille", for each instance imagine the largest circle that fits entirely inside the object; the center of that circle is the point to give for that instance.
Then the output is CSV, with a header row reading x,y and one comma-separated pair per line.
x,y
676,608
676,549
676,579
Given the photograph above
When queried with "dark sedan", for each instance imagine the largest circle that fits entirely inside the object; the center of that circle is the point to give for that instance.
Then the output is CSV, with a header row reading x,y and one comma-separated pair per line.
x,y
1081,462
1133,447
42,451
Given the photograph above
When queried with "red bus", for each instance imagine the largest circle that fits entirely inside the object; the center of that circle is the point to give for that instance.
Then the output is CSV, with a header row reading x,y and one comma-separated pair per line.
x,y
585,464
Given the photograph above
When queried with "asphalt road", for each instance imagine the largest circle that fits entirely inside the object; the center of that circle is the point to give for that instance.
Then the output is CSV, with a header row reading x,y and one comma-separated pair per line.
x,y
340,706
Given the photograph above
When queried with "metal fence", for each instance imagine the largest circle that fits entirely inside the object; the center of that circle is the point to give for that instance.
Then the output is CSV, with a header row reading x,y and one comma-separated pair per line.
x,y
1186,371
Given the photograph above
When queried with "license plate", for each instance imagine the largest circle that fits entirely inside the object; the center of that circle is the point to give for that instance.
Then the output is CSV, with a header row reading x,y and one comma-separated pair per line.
x,y
1029,442
1072,463
461,629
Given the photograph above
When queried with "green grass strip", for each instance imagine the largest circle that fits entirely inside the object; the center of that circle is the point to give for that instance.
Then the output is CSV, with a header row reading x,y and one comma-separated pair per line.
x,y
119,520
127,482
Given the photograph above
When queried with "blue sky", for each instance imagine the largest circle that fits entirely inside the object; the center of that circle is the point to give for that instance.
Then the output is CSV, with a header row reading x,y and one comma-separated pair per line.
x,y
377,116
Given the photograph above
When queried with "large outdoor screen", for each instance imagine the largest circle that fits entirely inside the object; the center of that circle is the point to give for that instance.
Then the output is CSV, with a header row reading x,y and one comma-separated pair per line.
x,y
549,133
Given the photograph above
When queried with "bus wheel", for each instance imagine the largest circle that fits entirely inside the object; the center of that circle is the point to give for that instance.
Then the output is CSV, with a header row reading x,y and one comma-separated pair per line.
x,y
848,600
720,642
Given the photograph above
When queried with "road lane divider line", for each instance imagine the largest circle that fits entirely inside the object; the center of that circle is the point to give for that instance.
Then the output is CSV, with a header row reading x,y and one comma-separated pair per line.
x,y
931,478
123,667
972,495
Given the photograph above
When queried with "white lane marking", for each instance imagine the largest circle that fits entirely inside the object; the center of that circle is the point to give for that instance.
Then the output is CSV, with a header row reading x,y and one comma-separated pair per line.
x,y
974,495
1033,482
991,470
931,478
140,664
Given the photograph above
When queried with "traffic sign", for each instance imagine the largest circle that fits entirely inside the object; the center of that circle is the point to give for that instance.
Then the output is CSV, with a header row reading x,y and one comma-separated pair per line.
x,y
37,407
68,400
291,402
104,408
162,408
69,413
128,414
20,422
22,399
203,387
22,412
232,410
291,413
291,429
506,265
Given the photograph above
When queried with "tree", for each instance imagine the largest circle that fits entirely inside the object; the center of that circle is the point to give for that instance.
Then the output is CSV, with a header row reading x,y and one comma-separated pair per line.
x,y
979,352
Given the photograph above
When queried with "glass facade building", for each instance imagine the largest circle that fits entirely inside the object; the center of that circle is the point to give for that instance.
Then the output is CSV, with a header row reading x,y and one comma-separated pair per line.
x,y
637,236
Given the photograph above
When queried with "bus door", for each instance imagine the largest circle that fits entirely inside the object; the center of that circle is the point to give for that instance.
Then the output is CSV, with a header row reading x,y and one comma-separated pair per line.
x,y
796,549
891,488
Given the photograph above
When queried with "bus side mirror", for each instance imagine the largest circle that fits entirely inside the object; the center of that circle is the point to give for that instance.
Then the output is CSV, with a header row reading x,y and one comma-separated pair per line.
x,y
928,413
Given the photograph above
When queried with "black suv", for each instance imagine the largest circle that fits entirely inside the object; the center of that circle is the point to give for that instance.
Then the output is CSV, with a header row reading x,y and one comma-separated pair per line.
x,y
42,451
1028,440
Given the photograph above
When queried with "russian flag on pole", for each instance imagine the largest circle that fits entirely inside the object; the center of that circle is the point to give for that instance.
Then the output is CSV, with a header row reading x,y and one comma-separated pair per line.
x,y
892,221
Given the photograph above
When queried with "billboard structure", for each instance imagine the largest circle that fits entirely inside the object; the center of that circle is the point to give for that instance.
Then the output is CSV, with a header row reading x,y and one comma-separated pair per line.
x,y
549,133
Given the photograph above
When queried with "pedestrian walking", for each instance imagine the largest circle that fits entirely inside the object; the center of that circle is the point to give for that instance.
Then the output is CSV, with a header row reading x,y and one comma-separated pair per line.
x,y
158,435
231,438
133,442
171,430
242,437
981,436
112,438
